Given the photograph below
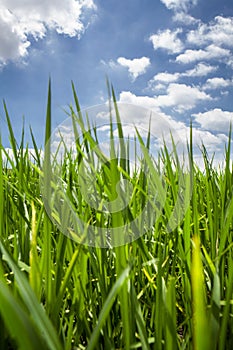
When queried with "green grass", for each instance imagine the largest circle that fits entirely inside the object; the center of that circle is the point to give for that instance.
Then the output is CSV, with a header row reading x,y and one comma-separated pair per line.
x,y
171,288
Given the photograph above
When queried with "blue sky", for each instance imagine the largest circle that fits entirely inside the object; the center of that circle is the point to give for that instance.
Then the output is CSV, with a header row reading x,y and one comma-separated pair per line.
x,y
174,57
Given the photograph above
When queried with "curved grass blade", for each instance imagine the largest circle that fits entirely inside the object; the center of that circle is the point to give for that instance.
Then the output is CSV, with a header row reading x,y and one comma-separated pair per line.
x,y
34,307
18,322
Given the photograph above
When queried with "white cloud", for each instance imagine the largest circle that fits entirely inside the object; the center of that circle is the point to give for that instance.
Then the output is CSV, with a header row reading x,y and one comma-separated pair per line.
x,y
154,86
162,124
149,115
159,80
144,101
219,32
214,144
211,52
13,42
179,5
165,77
31,18
182,97
216,120
167,40
200,70
184,18
136,66
179,96
217,83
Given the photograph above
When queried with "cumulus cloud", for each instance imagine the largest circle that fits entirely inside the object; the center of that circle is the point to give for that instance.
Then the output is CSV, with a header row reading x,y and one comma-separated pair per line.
x,y
146,101
210,52
161,124
214,144
217,83
200,70
219,31
167,40
165,77
179,96
214,41
13,41
21,21
182,97
184,18
136,66
179,5
215,120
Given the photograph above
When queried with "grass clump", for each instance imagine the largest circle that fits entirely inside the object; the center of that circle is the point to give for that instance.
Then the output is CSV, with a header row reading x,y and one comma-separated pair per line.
x,y
170,288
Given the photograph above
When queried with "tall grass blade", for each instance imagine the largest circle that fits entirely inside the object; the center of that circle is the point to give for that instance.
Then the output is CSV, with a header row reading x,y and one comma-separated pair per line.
x,y
47,170
30,301
12,137
19,322
202,334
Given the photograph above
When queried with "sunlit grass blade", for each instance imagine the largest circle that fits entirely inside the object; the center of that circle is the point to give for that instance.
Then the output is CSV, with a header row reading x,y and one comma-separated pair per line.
x,y
201,330
35,277
47,170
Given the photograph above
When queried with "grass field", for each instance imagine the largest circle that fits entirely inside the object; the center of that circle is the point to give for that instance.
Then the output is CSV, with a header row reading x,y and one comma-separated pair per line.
x,y
168,289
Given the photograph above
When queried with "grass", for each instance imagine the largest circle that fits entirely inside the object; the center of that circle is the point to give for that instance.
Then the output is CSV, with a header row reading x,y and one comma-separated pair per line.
x,y
171,288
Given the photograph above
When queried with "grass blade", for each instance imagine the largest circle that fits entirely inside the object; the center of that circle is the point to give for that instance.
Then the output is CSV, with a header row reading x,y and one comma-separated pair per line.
x,y
107,307
36,310
18,321
202,336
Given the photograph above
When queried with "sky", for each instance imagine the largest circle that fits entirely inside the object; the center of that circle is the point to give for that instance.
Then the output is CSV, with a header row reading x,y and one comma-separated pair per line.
x,y
173,57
